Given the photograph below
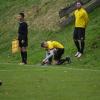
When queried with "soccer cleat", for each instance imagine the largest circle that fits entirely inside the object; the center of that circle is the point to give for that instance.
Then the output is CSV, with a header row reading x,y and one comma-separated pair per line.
x,y
77,54
68,60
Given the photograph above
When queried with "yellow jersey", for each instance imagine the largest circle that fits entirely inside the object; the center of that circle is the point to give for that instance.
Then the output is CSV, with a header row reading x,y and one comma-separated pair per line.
x,y
54,44
81,18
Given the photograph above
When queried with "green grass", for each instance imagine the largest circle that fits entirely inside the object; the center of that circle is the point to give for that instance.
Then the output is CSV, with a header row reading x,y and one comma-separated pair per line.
x,y
76,81
36,54
48,83
8,32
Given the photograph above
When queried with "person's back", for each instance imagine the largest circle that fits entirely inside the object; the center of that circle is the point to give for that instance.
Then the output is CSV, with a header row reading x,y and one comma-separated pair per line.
x,y
54,44
57,44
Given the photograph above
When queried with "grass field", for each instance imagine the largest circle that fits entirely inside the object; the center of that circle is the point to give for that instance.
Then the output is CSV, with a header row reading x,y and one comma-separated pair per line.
x,y
79,80
35,82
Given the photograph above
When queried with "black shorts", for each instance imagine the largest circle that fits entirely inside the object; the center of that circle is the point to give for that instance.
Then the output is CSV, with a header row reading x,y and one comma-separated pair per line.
x,y
24,44
79,33
58,54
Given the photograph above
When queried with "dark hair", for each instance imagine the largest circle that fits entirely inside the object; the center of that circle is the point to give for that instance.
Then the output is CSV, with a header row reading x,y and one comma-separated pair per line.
x,y
42,44
79,1
22,14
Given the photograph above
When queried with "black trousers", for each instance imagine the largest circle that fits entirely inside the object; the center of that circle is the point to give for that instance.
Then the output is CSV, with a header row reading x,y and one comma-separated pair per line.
x,y
58,54
79,33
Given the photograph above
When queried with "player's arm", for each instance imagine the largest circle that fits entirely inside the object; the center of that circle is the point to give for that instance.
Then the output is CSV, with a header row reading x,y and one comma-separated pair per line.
x,y
86,18
49,56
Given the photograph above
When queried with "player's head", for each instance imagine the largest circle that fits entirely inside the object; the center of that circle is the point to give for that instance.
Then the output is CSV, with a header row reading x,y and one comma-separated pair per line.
x,y
44,44
21,16
79,4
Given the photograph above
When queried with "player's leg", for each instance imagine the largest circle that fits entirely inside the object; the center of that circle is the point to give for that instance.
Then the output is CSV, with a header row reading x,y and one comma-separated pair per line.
x,y
78,47
76,42
21,52
23,49
24,55
58,56
81,41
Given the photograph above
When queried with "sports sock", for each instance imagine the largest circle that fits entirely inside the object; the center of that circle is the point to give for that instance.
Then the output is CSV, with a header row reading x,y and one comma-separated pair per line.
x,y
82,46
25,57
22,56
77,45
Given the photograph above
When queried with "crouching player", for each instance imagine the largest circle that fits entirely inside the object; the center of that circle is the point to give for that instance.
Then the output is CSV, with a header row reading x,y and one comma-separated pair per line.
x,y
54,50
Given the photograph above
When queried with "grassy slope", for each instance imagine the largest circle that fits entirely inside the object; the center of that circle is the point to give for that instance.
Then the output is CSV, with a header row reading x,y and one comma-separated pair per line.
x,y
47,83
8,12
35,53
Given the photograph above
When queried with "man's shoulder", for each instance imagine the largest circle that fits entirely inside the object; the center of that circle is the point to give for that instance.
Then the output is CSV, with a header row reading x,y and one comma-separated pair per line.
x,y
76,10
23,23
83,10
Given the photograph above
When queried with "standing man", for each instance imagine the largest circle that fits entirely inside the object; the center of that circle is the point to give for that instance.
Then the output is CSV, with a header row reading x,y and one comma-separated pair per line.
x,y
23,37
81,21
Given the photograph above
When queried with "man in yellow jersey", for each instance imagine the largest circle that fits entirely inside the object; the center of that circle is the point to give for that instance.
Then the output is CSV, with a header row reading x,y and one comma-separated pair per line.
x,y
81,21
56,50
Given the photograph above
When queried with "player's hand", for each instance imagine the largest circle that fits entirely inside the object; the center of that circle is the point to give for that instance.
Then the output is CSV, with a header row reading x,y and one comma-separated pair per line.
x,y
42,63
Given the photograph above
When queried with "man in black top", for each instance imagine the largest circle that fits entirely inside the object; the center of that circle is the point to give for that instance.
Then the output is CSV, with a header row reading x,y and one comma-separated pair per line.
x,y
23,37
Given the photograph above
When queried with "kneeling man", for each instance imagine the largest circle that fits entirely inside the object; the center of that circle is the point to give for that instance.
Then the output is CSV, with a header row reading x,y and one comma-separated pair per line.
x,y
54,50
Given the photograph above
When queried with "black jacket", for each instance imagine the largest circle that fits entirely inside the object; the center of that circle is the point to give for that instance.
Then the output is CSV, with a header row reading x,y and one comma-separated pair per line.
x,y
22,30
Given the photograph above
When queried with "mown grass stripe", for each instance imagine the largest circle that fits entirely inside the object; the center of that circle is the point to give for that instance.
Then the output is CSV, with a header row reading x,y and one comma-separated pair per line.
x,y
38,65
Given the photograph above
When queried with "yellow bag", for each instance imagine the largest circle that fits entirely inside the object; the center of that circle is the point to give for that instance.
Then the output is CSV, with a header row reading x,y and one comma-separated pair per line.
x,y
15,46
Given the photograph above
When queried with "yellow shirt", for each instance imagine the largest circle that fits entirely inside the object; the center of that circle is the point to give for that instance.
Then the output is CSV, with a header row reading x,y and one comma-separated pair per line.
x,y
54,44
81,18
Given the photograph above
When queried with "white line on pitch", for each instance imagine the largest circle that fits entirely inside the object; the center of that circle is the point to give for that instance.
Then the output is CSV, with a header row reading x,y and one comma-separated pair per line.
x,y
44,67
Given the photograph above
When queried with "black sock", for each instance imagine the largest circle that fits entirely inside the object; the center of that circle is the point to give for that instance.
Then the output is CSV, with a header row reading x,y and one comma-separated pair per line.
x,y
22,56
25,57
82,46
77,45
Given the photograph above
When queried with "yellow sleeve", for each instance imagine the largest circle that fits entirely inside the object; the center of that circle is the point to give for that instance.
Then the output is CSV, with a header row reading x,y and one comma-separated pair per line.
x,y
86,18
